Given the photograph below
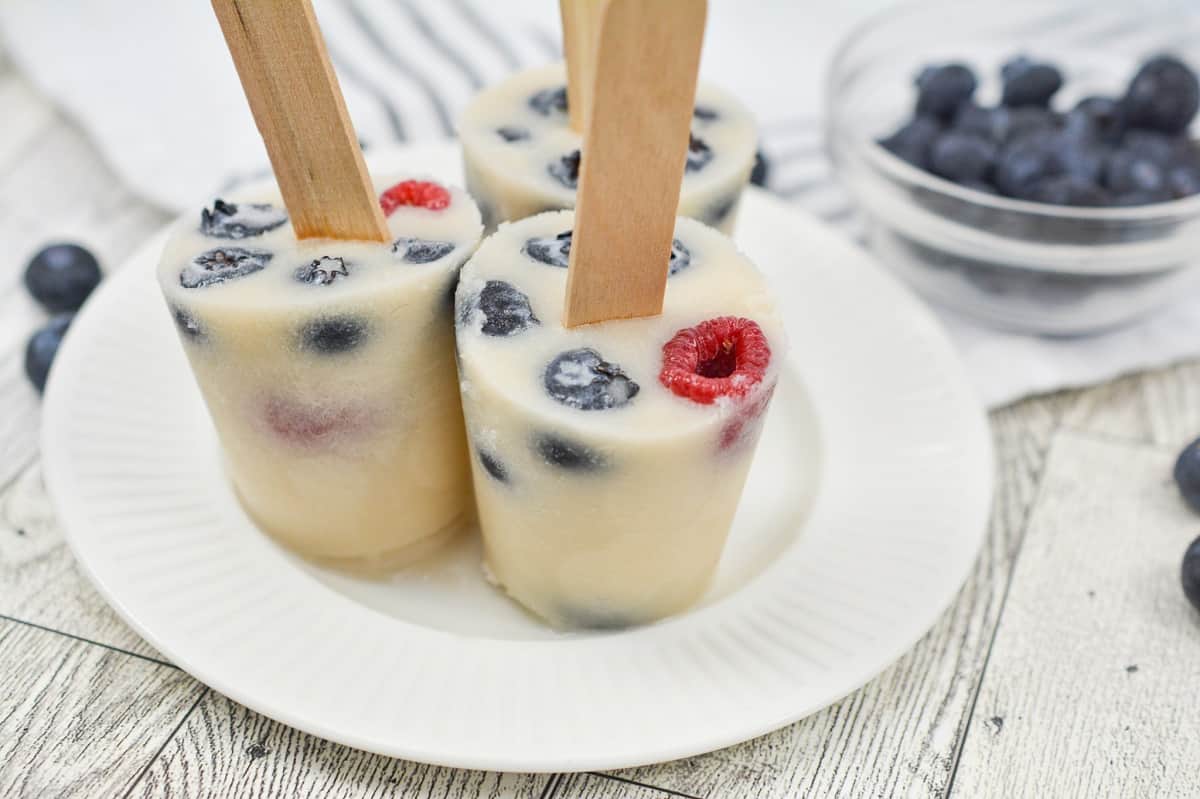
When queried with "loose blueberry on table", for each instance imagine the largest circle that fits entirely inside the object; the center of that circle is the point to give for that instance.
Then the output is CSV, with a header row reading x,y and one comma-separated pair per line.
x,y
1187,477
1104,152
43,346
1190,573
62,276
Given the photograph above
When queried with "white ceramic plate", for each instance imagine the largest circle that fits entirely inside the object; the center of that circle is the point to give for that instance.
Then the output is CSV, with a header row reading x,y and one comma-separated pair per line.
x,y
863,514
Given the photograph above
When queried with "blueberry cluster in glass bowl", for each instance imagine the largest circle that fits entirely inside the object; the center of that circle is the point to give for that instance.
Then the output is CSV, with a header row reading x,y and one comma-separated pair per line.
x,y
1104,152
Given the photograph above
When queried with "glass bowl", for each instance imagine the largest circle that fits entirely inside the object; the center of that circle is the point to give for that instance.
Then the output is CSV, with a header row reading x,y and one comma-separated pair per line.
x,y
1015,264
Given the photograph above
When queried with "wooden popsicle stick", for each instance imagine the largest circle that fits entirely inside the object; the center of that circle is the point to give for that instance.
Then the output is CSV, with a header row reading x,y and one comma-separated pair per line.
x,y
581,30
281,59
634,152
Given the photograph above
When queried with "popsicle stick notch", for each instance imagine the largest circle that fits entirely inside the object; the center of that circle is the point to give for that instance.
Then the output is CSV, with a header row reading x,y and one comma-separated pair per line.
x,y
297,104
634,151
581,30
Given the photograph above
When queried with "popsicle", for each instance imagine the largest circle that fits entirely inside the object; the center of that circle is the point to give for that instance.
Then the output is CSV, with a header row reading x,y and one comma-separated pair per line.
x,y
521,156
616,363
328,369
321,334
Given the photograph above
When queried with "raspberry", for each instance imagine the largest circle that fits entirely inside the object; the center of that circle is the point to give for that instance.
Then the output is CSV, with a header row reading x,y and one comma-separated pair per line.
x,y
421,193
722,357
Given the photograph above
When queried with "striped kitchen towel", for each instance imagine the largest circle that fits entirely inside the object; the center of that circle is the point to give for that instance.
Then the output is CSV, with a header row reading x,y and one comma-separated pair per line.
x,y
152,82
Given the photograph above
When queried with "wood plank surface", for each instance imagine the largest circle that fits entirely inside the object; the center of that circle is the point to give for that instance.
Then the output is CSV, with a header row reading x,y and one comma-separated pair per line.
x,y
80,720
1094,678
225,749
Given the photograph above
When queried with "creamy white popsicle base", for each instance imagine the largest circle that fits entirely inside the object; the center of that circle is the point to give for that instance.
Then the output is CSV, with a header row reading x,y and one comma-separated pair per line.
x,y
328,368
521,156
604,496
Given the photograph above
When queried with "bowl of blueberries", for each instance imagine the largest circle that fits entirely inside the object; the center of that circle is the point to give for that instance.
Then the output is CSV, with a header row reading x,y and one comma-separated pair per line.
x,y
1028,164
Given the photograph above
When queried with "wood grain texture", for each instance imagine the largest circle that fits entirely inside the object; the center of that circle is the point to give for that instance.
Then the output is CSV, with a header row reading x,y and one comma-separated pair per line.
x,y
1160,407
40,581
580,31
634,150
1094,677
79,720
225,749
898,736
289,82
598,786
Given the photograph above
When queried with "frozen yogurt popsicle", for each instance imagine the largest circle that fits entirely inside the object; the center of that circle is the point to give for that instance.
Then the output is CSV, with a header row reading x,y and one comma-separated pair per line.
x,y
328,369
521,157
609,458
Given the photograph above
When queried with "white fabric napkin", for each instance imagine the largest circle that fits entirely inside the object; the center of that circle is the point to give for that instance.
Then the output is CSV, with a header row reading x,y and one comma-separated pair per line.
x,y
152,83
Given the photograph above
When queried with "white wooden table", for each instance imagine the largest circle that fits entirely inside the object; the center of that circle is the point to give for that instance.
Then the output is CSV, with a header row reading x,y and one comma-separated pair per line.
x,y
1068,666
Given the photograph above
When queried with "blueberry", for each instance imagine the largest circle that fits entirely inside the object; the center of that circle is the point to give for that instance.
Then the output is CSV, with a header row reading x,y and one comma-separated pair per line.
x,y
322,271
492,465
1183,181
1031,119
582,379
941,89
1127,172
333,335
552,252
962,156
557,252
1084,160
421,251
1067,190
698,154
222,264
505,308
566,169
990,123
1022,163
1156,147
1097,117
1189,573
547,101
43,346
512,133
61,276
761,170
1163,95
189,326
913,141
1028,82
1187,474
704,113
715,214
681,258
240,221
569,455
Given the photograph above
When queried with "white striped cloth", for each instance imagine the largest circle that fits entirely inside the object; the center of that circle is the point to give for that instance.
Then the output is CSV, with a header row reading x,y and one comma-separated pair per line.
x,y
153,85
